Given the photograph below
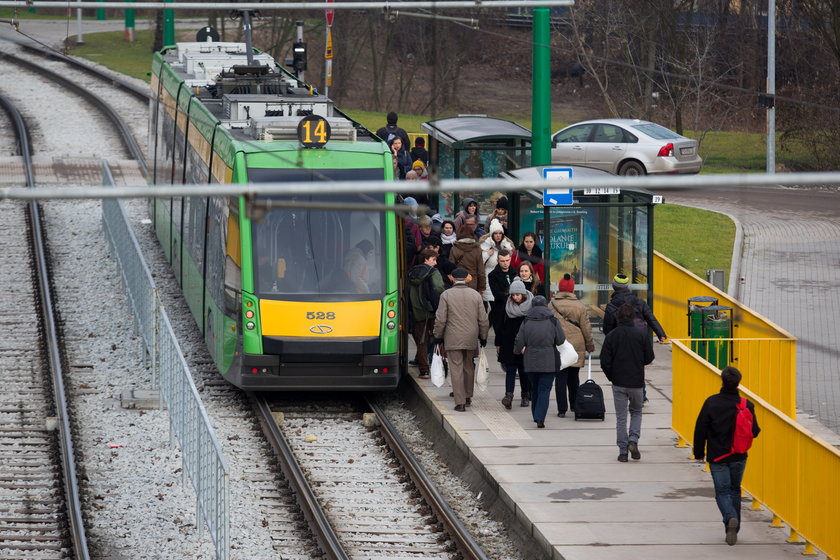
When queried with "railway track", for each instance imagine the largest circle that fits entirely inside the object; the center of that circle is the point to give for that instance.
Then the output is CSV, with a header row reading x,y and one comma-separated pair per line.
x,y
40,512
362,493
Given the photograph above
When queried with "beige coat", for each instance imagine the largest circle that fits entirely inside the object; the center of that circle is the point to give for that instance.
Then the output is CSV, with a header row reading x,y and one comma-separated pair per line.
x,y
567,308
461,319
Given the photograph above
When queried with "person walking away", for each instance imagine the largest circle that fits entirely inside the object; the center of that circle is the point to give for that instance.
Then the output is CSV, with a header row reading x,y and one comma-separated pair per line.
x,y
466,254
419,151
460,322
515,308
537,339
720,423
644,317
499,281
391,129
574,319
425,287
530,251
491,245
626,352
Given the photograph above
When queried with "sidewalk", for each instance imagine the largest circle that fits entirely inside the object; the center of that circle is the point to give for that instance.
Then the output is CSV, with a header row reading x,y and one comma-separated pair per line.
x,y
580,503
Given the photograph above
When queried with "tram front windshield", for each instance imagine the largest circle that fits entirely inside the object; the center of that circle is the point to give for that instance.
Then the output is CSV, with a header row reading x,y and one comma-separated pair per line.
x,y
304,254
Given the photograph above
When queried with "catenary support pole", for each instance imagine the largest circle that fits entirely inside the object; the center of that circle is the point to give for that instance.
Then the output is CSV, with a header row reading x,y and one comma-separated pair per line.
x,y
541,92
771,86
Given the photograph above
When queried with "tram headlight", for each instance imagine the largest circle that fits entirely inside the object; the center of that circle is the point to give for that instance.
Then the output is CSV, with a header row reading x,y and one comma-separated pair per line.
x,y
250,325
391,325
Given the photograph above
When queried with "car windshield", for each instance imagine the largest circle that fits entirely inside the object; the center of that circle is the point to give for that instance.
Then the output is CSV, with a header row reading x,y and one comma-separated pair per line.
x,y
656,131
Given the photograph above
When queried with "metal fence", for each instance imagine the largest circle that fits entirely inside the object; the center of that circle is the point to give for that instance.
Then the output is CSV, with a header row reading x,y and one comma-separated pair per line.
x,y
790,470
201,453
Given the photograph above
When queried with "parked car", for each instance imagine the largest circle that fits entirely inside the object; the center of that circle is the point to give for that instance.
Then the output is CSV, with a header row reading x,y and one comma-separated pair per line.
x,y
625,147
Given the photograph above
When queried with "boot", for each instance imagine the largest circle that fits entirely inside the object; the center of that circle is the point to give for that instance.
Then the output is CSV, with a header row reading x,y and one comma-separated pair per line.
x,y
526,399
507,400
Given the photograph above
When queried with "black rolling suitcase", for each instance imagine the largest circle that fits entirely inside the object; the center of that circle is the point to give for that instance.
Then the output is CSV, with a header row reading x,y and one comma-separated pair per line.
x,y
589,402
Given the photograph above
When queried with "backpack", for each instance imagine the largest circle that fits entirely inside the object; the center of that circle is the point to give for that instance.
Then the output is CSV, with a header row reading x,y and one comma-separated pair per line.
x,y
743,437
429,298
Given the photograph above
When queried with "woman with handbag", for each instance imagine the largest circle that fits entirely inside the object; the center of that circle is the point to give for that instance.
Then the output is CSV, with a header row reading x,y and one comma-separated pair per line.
x,y
574,319
537,340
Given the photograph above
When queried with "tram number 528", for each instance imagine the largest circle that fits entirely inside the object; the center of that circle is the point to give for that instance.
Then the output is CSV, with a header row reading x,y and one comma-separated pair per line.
x,y
322,315
313,131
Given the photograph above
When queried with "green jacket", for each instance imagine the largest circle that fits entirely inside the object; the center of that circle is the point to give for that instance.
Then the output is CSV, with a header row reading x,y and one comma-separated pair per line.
x,y
425,286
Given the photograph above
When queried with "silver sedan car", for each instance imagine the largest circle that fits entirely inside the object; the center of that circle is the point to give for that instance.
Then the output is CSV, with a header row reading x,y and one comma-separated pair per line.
x,y
625,147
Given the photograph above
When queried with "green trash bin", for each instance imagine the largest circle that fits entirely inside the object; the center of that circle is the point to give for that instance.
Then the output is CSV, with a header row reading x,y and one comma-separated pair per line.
x,y
696,310
717,323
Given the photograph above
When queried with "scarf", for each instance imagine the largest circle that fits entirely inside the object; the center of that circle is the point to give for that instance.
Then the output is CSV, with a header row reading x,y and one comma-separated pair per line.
x,y
514,310
448,239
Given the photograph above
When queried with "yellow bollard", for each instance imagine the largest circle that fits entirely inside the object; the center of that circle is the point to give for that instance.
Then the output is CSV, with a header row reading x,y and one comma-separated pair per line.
x,y
681,442
705,467
794,536
777,522
756,505
809,550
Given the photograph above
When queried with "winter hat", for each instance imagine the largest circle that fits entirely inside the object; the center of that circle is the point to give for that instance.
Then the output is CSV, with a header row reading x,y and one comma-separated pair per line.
x,y
419,141
502,203
539,301
566,284
460,274
419,164
410,201
436,217
517,286
391,118
621,282
496,225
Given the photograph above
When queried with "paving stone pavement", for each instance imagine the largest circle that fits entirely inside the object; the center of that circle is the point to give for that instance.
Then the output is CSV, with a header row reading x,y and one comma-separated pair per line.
x,y
790,266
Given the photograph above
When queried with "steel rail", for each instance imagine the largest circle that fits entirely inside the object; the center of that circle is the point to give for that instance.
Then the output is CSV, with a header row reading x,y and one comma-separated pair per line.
x,y
142,94
122,128
327,539
227,6
626,184
71,484
467,545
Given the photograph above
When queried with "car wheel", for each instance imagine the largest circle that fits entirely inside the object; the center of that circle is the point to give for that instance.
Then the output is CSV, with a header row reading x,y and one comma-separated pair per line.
x,y
631,168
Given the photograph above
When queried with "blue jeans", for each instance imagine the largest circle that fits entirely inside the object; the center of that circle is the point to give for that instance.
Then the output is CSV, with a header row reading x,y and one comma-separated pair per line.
x,y
510,379
624,398
727,479
540,393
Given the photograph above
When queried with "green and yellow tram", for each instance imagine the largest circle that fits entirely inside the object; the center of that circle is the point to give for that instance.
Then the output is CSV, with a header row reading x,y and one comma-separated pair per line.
x,y
289,297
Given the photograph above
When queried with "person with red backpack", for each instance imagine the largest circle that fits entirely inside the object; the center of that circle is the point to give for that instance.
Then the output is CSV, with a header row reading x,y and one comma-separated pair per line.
x,y
723,433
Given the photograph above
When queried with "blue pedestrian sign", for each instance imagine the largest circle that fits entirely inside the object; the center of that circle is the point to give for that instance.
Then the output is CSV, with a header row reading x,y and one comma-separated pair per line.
x,y
557,196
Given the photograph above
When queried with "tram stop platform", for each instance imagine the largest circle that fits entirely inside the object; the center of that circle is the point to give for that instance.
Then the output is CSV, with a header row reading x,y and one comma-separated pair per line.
x,y
565,487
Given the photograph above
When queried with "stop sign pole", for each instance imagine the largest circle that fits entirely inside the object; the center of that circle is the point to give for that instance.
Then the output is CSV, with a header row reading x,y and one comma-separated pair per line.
x,y
328,54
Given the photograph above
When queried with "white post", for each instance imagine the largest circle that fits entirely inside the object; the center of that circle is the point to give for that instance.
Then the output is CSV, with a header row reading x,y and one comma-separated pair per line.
x,y
80,40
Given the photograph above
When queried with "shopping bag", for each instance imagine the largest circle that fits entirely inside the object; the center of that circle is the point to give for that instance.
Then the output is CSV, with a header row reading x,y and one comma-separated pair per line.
x,y
482,373
436,370
568,354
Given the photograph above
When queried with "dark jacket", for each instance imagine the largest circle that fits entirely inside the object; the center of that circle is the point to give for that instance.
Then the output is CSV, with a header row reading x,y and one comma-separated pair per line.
x,y
419,152
715,427
643,312
467,254
417,276
505,338
539,335
626,352
387,133
499,282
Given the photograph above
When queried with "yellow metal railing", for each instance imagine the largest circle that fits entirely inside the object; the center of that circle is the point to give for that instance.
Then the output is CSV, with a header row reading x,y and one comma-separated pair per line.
x,y
790,470
763,352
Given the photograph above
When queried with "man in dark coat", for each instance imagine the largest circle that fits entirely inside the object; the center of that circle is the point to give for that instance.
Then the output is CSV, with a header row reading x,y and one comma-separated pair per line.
x,y
643,317
499,281
425,286
713,435
624,355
